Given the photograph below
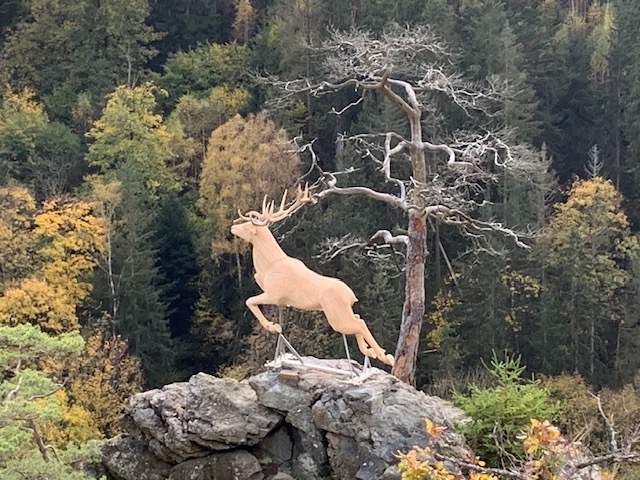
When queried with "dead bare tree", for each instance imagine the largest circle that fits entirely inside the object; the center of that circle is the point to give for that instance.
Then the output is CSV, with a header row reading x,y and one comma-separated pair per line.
x,y
413,70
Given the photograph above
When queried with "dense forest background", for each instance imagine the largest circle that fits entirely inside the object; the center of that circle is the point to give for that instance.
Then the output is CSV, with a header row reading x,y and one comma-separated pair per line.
x,y
132,131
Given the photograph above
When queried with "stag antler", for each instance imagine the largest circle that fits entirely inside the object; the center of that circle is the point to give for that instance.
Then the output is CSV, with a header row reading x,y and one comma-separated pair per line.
x,y
269,216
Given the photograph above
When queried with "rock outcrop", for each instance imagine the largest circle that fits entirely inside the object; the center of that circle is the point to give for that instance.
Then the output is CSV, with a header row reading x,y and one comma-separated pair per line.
x,y
281,425
301,424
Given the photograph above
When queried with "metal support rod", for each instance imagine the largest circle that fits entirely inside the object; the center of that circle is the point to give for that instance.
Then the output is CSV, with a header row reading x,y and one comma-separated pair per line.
x,y
346,349
290,347
283,346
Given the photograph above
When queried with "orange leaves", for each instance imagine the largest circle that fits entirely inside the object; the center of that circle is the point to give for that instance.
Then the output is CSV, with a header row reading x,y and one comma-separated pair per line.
x,y
432,429
37,302
423,460
419,464
17,241
45,256
540,435
73,237
74,423
546,451
101,379
411,467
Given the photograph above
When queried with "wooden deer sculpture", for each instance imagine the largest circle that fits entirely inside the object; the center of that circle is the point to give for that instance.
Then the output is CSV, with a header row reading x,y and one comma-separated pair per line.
x,y
286,281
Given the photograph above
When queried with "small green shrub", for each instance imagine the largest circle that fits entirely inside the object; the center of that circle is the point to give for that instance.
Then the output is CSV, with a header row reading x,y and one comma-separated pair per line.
x,y
579,416
499,414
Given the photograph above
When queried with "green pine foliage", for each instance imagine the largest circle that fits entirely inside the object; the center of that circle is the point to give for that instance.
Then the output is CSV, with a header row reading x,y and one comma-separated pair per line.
x,y
142,316
202,68
72,463
189,23
27,392
43,154
502,412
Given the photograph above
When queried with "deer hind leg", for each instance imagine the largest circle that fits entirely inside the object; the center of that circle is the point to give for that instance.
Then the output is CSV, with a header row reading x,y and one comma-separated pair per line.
x,y
343,320
364,346
367,343
253,304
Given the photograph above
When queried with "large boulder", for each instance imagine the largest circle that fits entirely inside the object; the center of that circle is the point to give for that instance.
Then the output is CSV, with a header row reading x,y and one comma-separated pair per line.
x,y
301,424
282,424
356,426
192,419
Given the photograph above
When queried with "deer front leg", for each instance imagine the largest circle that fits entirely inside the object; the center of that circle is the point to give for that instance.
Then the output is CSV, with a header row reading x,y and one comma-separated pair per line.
x,y
253,304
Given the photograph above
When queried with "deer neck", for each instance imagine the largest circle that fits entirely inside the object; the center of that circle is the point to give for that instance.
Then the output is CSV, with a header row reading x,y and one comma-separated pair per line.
x,y
265,249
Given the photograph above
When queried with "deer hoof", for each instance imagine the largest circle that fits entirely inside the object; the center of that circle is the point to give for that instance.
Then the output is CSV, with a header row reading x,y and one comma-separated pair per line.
x,y
389,360
274,328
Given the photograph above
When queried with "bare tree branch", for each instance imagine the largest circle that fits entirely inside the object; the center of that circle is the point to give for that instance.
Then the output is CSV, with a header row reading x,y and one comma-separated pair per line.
x,y
617,453
328,183
12,394
344,109
331,189
333,247
387,238
383,254
48,394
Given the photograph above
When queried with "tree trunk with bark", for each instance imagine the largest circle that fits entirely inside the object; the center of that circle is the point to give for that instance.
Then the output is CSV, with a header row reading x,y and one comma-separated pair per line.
x,y
414,302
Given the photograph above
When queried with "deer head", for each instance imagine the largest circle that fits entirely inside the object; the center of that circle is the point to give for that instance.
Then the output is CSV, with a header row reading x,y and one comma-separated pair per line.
x,y
246,226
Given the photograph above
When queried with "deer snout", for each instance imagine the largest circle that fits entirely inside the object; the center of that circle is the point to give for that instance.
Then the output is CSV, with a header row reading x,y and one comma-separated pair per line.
x,y
245,231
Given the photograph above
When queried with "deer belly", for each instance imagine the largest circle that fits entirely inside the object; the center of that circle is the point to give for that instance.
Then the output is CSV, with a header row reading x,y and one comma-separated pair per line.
x,y
291,290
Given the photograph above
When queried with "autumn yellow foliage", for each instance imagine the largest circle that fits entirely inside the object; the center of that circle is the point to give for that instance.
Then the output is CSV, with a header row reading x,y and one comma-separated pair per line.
x,y
101,379
246,160
72,237
36,301
546,450
65,237
17,242
75,424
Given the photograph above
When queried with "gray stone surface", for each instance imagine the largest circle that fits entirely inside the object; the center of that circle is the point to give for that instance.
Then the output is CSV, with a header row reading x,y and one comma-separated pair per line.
x,y
190,419
276,447
305,425
376,420
126,458
235,465
590,473
282,476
